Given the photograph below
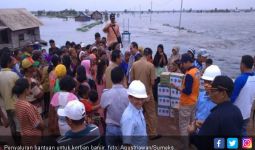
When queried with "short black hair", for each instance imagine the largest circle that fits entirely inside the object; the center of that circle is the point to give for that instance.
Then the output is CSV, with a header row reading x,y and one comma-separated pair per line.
x,y
93,96
51,41
97,35
55,60
117,75
135,45
78,122
5,59
83,90
223,83
147,51
68,43
248,61
81,74
67,83
209,61
161,46
20,86
115,55
66,60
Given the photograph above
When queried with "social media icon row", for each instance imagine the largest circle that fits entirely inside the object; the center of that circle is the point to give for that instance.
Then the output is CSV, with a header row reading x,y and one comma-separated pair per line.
x,y
232,143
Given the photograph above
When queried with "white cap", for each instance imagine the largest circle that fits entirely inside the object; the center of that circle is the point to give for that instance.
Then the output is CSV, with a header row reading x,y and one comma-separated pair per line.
x,y
211,72
137,89
74,110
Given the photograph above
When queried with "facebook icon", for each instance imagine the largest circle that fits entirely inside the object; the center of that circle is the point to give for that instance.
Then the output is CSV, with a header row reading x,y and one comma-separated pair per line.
x,y
219,143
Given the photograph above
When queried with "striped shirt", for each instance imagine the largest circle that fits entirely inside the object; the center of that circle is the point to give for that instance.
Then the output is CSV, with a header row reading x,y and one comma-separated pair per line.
x,y
29,118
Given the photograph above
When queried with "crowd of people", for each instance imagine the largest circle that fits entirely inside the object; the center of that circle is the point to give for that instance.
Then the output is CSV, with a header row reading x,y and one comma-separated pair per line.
x,y
90,91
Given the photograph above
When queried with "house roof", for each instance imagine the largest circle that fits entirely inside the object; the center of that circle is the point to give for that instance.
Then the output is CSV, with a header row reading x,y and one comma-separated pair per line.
x,y
18,19
96,12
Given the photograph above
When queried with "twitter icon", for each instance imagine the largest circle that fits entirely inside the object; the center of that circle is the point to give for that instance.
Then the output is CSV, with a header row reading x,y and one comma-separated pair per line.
x,y
232,143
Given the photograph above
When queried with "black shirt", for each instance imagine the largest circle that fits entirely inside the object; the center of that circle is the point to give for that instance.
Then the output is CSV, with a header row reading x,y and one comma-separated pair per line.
x,y
225,120
53,51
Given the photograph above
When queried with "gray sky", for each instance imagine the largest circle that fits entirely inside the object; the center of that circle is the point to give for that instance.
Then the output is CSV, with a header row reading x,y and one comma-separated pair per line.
x,y
124,4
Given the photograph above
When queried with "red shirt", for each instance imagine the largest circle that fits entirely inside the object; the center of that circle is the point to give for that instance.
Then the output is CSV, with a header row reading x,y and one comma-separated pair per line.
x,y
88,106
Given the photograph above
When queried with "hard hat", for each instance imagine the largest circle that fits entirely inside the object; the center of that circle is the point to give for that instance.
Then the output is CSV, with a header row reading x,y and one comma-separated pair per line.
x,y
211,72
137,89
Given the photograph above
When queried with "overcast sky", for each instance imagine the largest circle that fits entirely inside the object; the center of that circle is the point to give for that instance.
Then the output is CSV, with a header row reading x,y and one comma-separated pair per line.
x,y
124,4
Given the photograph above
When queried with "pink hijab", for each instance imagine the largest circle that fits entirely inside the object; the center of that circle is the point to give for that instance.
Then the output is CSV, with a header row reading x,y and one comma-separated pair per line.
x,y
86,64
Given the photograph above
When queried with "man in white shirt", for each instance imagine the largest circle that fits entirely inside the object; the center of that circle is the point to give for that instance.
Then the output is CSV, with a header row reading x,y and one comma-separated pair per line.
x,y
133,126
114,101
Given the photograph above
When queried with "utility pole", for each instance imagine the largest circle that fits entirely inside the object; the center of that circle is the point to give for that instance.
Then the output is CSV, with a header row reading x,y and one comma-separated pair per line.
x,y
180,16
151,5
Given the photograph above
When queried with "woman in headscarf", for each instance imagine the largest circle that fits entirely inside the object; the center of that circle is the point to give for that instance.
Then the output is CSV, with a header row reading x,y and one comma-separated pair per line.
x,y
160,63
174,56
93,59
87,65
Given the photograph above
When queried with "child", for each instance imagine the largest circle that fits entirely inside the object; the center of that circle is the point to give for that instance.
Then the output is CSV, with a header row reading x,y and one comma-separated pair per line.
x,y
89,102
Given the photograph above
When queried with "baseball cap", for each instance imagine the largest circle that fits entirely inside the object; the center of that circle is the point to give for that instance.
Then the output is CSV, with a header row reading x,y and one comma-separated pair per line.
x,y
27,62
185,58
203,53
74,110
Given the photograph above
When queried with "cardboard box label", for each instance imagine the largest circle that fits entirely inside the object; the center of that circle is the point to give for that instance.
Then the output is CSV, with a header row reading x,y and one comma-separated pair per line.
x,y
164,101
163,111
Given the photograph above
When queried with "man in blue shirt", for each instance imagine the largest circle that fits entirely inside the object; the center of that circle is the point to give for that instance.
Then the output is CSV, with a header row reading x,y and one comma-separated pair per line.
x,y
201,58
225,118
244,93
205,104
133,126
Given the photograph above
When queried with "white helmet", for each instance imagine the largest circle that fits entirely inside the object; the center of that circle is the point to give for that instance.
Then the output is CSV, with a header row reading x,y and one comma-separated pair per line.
x,y
211,72
137,89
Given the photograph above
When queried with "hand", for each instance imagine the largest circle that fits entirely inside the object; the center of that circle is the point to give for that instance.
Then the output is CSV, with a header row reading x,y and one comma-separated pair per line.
x,y
192,127
173,85
199,123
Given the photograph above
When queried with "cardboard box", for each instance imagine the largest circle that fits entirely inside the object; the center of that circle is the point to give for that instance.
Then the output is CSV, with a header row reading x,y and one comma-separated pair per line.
x,y
163,111
163,90
164,101
176,78
175,93
174,102
164,78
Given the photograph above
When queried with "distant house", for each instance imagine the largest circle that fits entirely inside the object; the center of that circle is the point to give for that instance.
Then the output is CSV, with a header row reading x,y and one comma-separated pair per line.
x,y
82,17
17,28
96,15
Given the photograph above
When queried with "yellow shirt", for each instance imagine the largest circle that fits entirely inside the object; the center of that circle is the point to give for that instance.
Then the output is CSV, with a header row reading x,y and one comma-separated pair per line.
x,y
7,81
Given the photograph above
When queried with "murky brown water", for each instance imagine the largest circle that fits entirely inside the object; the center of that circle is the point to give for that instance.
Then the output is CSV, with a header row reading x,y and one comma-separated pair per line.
x,y
227,36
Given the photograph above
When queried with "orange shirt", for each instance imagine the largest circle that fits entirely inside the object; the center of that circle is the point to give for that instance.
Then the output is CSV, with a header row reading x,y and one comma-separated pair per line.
x,y
111,37
187,100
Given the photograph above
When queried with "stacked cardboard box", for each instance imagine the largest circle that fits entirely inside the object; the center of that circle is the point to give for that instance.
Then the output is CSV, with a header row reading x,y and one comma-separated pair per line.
x,y
164,102
168,98
165,78
177,79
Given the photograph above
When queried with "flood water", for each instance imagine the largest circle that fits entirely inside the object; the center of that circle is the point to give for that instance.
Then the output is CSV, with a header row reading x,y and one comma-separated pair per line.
x,y
227,36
